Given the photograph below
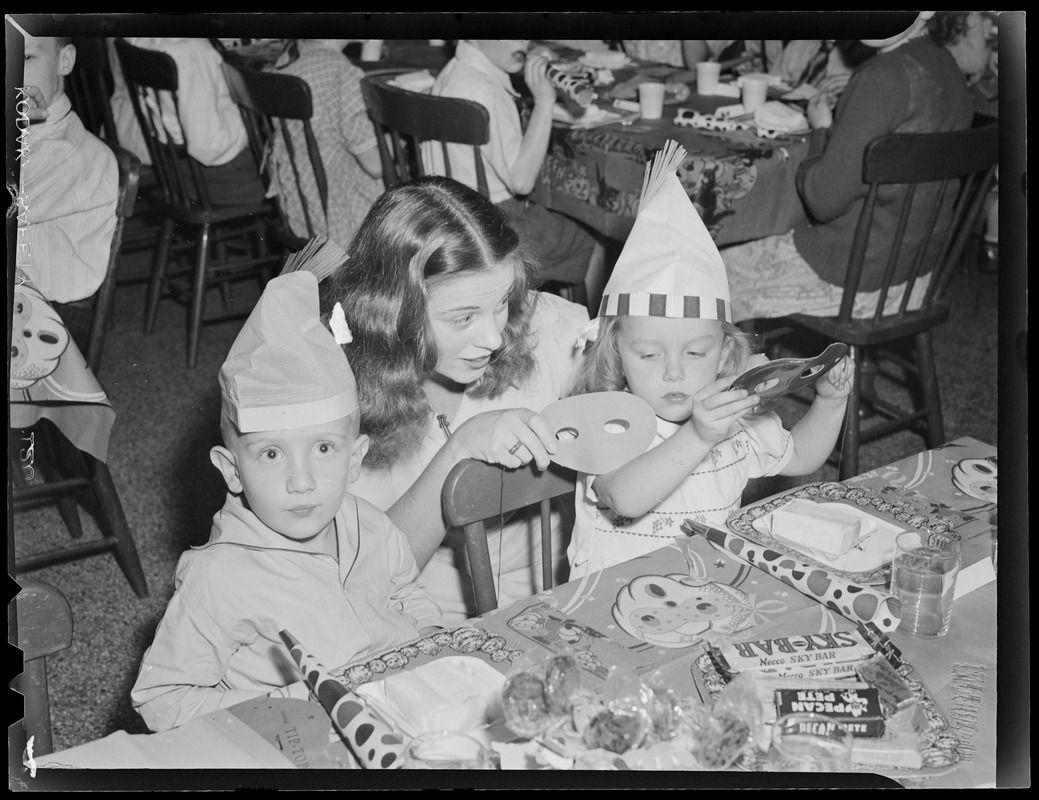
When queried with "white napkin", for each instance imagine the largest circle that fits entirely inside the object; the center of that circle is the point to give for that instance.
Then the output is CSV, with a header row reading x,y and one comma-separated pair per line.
x,y
456,693
611,59
727,90
420,81
780,117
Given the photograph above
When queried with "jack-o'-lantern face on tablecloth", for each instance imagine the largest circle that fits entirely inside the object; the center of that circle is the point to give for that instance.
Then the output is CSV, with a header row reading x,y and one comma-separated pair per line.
x,y
38,338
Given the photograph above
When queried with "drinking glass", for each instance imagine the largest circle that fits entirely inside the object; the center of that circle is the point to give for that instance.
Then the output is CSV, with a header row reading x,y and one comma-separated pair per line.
x,y
923,579
809,743
446,750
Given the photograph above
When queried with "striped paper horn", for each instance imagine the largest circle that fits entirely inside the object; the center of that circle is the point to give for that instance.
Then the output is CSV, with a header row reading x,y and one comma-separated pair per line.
x,y
373,742
857,603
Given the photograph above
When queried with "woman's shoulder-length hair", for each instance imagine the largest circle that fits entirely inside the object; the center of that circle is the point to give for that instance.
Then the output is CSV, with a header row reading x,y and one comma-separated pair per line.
x,y
415,236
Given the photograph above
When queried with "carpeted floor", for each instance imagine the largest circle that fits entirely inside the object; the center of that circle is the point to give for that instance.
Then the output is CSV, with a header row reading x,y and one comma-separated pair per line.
x,y
168,419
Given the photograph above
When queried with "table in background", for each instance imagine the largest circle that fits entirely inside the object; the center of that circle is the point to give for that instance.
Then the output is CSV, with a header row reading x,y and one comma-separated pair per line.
x,y
742,186
579,616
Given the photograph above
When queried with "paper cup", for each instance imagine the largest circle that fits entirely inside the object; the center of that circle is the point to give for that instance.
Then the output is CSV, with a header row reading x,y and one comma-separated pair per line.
x,y
371,50
707,73
923,579
755,91
651,100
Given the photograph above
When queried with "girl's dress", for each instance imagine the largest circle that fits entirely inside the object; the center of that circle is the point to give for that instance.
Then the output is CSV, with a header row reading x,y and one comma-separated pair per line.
x,y
757,446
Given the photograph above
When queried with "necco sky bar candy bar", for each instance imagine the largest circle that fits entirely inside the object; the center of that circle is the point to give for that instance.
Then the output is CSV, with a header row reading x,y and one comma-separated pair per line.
x,y
370,739
578,90
863,603
857,709
803,650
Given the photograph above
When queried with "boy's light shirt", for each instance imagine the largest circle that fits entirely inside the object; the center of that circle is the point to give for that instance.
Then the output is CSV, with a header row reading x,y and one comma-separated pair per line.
x,y
472,76
218,643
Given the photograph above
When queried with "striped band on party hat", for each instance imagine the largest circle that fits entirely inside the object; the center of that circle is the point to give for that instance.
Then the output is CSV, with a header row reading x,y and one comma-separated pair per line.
x,y
286,369
670,266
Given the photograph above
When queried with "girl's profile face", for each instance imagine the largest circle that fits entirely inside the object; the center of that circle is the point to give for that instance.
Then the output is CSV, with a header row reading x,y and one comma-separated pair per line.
x,y
467,315
666,361
508,55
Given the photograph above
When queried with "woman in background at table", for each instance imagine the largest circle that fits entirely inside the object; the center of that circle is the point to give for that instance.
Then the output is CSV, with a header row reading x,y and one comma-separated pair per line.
x,y
454,353
345,139
480,72
915,84
665,334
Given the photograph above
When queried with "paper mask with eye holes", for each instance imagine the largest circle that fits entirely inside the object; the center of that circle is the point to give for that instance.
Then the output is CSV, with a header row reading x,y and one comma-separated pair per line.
x,y
785,375
38,337
601,431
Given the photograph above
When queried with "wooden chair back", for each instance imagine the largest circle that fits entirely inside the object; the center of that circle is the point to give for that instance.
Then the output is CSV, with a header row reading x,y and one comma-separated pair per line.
x,y
958,168
129,177
152,82
941,179
278,104
90,85
404,119
44,628
476,491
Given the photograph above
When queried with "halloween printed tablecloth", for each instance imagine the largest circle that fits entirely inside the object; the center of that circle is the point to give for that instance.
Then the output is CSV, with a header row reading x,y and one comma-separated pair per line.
x,y
50,378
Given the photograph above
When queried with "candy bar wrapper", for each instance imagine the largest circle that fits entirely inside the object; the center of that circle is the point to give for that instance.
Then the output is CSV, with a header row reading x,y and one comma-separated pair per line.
x,y
373,742
857,709
857,603
791,654
575,89
892,689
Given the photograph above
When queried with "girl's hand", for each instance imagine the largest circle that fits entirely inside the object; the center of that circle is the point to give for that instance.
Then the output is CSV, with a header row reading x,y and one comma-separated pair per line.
x,y
838,382
831,86
493,436
535,73
716,409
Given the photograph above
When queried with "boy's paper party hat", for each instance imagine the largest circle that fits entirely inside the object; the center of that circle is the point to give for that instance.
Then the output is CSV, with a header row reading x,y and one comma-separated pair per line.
x,y
670,266
285,369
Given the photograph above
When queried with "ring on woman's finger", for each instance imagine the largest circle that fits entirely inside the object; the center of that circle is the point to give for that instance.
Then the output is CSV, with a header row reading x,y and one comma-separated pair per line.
x,y
515,448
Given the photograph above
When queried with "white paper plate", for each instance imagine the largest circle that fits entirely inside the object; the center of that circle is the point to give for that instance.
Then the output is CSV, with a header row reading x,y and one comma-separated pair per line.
x,y
875,547
457,693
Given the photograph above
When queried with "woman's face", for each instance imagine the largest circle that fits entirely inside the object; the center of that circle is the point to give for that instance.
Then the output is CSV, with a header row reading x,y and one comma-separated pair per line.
x,y
467,315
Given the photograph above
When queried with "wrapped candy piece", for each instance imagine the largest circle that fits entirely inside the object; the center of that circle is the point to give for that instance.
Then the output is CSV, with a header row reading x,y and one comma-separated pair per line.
x,y
576,89
856,602
372,741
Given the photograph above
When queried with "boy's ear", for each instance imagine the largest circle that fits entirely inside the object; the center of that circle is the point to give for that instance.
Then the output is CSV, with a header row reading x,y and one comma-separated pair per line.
x,y
66,59
225,461
357,454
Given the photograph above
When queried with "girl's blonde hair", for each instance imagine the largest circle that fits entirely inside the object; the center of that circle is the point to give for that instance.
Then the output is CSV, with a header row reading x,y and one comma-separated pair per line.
x,y
601,369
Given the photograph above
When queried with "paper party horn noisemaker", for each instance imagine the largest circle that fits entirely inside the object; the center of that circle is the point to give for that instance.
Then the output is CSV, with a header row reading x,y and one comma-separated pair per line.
x,y
861,603
372,741
574,88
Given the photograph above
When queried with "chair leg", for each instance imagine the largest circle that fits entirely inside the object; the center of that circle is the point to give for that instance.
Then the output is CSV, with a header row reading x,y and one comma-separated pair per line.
x,y
59,455
929,389
116,524
198,296
162,255
849,465
32,685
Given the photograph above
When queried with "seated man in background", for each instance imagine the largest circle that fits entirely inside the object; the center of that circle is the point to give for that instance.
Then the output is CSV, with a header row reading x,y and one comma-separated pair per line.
x,y
68,193
212,122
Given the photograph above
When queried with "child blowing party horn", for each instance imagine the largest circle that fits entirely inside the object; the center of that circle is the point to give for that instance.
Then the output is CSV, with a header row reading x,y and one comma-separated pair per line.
x,y
856,602
370,739
574,88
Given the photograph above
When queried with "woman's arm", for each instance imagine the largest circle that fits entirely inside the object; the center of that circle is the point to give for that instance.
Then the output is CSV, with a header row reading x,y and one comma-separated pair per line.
x,y
488,437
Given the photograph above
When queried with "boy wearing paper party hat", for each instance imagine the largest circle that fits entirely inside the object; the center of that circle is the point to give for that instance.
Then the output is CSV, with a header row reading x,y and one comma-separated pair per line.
x,y
290,548
665,333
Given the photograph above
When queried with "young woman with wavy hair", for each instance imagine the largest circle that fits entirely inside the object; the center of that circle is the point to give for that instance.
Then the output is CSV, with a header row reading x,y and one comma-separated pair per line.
x,y
454,354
